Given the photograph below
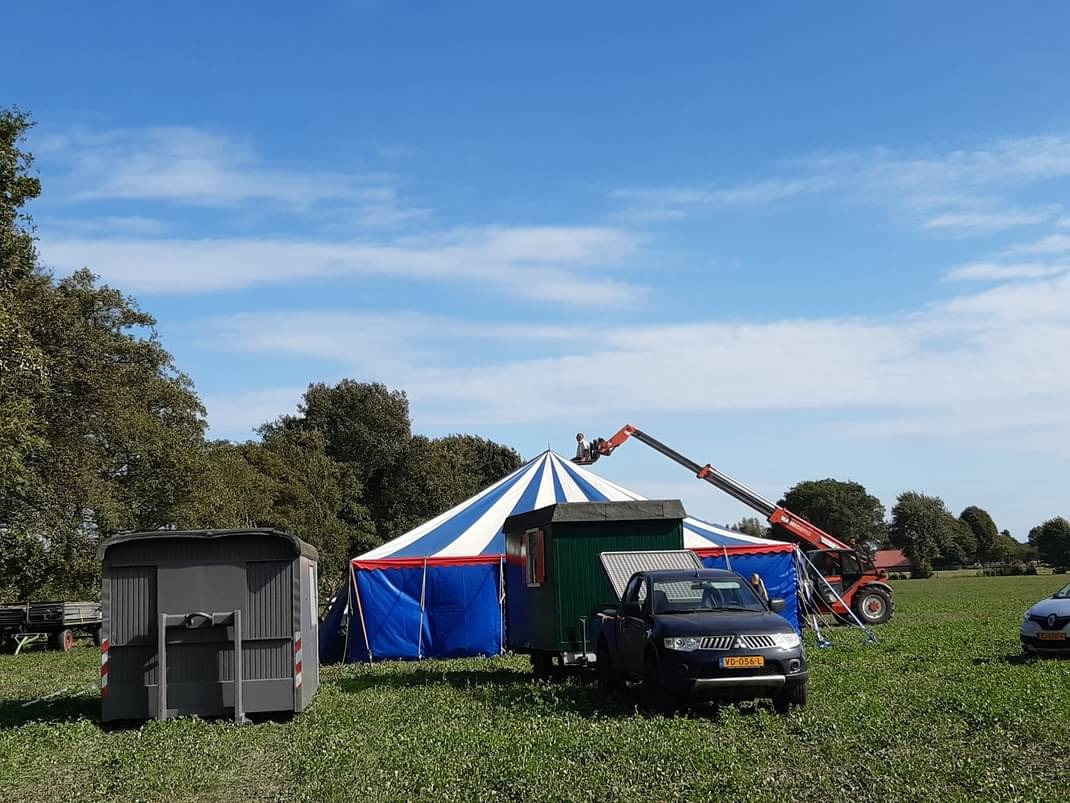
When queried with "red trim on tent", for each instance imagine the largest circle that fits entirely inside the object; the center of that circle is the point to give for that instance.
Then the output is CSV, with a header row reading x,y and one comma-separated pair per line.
x,y
749,549
407,563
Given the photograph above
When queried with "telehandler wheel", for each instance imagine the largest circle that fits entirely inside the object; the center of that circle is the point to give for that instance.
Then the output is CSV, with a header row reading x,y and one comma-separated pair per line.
x,y
873,605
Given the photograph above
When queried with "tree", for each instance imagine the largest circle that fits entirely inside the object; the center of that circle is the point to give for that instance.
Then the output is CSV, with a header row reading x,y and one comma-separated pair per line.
x,y
841,508
364,424
751,525
98,429
1053,542
921,526
433,475
23,374
984,532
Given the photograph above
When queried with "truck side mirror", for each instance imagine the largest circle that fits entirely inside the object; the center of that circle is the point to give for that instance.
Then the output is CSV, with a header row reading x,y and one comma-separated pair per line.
x,y
776,605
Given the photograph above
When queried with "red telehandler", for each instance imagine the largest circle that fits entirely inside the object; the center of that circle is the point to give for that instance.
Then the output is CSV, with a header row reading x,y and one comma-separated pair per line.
x,y
848,571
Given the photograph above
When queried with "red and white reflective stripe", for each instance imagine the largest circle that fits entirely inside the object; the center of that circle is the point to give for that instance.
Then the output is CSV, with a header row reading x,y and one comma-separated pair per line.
x,y
104,668
297,660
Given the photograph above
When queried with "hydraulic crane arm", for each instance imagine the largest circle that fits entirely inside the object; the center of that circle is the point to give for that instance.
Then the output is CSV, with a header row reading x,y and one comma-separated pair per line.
x,y
775,514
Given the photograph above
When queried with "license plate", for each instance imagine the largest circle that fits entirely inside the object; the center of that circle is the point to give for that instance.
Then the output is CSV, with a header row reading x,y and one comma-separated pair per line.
x,y
1051,636
742,662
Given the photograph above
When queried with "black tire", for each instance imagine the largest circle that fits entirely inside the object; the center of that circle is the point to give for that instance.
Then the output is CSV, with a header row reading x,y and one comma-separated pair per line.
x,y
542,665
791,696
873,605
655,698
608,678
63,640
98,635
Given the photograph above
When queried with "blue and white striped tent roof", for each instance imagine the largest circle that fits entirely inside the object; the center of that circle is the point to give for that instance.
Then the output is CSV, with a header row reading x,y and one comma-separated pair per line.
x,y
474,527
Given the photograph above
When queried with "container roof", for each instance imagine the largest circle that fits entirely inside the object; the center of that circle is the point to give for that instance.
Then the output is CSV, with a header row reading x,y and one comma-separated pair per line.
x,y
300,547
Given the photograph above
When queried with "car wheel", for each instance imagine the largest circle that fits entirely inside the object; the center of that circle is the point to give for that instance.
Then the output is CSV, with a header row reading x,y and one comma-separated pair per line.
x,y
873,605
655,698
608,679
791,696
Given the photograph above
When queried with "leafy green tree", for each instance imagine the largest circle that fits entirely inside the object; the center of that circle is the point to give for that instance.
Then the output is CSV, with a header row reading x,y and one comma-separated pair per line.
x,y
23,370
433,475
364,424
843,509
984,532
1053,542
921,526
752,526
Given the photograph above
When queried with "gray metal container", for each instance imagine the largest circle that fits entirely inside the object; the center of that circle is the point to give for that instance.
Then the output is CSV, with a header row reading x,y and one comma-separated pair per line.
x,y
210,606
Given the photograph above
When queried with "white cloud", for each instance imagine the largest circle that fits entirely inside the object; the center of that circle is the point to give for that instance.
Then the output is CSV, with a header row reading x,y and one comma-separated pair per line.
x,y
956,190
1051,244
194,167
984,222
980,359
997,271
561,265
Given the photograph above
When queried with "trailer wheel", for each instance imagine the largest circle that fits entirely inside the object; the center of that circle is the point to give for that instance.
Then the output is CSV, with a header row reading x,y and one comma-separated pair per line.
x,y
873,605
98,635
63,640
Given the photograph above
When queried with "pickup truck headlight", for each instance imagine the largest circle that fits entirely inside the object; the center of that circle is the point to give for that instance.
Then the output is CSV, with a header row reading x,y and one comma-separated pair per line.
x,y
684,643
786,641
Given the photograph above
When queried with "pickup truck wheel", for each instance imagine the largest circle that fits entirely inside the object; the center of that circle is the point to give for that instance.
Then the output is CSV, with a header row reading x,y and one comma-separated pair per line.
x,y
791,696
655,698
608,679
873,605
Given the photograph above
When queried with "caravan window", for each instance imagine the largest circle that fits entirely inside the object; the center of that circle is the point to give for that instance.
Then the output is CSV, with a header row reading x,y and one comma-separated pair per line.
x,y
536,557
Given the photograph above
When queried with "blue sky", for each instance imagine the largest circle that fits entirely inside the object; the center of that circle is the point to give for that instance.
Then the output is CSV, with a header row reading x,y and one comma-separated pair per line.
x,y
796,241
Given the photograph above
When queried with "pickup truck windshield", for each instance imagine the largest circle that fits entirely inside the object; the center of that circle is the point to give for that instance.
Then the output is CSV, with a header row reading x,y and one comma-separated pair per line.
x,y
689,596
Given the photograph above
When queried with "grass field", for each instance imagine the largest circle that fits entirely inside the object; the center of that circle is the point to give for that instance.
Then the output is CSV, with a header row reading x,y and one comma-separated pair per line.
x,y
943,708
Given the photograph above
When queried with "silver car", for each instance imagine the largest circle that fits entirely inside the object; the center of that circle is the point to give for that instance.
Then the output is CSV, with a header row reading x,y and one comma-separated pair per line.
x,y
1046,626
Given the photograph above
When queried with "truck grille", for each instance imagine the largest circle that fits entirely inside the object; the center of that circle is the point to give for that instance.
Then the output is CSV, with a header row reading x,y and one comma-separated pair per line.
x,y
743,642
718,642
756,642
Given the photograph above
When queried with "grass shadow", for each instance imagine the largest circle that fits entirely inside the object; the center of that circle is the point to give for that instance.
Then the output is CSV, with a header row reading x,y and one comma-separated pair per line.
x,y
514,690
51,710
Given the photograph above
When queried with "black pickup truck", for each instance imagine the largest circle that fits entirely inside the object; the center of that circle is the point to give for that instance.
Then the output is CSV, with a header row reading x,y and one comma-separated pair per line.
x,y
699,634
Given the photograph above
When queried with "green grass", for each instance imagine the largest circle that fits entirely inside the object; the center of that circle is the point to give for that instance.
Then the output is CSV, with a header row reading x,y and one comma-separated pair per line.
x,y
942,709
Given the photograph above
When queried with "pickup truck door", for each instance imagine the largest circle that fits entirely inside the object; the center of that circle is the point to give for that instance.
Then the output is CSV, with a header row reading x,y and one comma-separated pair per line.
x,y
632,627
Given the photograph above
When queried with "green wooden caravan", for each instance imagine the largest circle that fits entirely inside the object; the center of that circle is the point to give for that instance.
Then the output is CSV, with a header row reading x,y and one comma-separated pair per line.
x,y
554,580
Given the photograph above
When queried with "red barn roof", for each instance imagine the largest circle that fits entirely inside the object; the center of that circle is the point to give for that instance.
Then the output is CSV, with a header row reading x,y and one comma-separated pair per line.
x,y
891,559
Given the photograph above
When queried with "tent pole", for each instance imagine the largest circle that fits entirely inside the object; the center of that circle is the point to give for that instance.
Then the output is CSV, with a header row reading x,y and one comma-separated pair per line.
x,y
360,610
423,599
349,618
501,604
727,560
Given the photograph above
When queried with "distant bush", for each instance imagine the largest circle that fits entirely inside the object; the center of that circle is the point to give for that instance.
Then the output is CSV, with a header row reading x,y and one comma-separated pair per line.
x,y
1031,568
899,576
1008,570
921,571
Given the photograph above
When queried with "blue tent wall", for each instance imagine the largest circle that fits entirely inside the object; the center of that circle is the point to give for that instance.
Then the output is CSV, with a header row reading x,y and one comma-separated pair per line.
x,y
462,613
777,570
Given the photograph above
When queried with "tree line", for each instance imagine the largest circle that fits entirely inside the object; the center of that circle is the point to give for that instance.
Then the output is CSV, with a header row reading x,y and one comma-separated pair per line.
x,y
100,432
922,526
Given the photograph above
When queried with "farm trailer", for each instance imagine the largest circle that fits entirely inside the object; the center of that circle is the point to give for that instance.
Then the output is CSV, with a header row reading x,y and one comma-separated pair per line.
x,y
56,623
